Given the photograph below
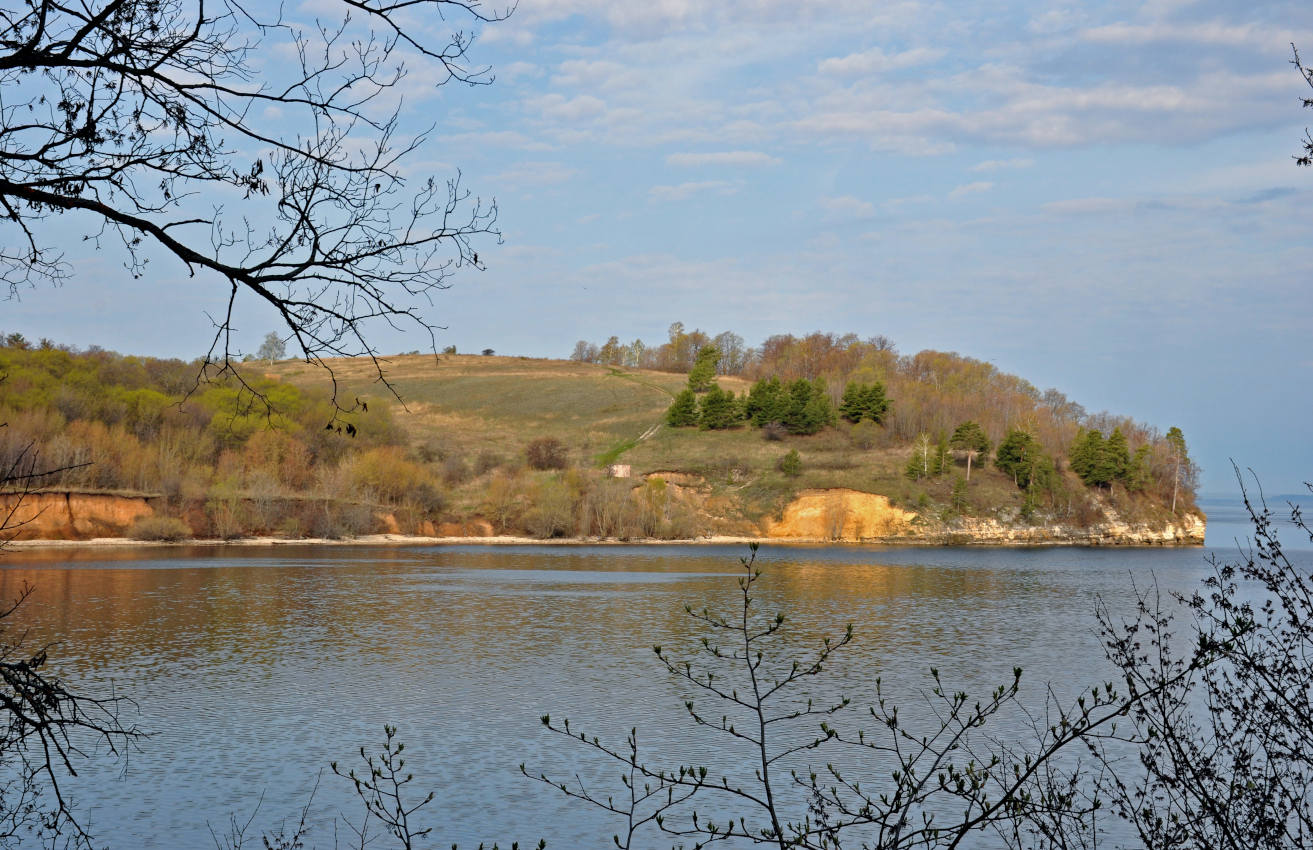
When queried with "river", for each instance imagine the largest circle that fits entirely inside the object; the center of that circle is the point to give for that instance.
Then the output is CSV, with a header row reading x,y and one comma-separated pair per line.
x,y
254,668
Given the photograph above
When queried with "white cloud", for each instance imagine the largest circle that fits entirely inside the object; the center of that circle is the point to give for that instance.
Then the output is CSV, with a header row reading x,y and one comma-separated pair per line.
x,y
558,107
847,206
535,174
1088,206
876,61
516,71
684,191
1213,33
971,189
1000,164
728,158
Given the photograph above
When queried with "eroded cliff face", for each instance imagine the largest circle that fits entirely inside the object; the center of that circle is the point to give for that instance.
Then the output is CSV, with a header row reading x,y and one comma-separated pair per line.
x,y
1187,531
852,516
840,514
72,516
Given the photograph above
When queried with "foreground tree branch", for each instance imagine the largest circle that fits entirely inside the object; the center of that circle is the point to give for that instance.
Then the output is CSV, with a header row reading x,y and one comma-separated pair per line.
x,y
181,128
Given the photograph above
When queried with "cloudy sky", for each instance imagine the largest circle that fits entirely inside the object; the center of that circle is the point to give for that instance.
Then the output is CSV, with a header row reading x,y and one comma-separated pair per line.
x,y
1099,197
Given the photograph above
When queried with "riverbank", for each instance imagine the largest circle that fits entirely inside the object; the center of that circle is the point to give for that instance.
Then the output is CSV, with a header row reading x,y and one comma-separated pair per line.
x,y
1015,540
814,517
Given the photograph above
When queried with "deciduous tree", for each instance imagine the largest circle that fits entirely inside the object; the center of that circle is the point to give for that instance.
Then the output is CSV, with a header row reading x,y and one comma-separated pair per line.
x,y
151,124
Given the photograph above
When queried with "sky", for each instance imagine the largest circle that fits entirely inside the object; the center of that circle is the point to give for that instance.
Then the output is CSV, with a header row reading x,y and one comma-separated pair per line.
x,y
1099,197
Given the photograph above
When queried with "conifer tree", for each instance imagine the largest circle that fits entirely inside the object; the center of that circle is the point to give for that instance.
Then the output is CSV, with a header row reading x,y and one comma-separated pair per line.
x,y
1021,456
969,438
862,401
703,374
683,411
1117,457
1183,470
1088,458
719,410
767,402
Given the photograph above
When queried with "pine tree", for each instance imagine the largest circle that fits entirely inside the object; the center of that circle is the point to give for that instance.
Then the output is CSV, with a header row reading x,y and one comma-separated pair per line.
x,y
862,401
719,410
970,439
1021,456
683,411
943,461
1116,457
1089,459
876,403
767,402
703,374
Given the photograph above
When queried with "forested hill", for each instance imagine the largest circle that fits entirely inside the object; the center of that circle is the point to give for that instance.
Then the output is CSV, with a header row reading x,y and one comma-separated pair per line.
x,y
488,444
931,395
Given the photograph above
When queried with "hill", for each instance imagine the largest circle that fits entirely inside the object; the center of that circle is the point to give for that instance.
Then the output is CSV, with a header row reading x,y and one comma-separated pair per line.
x,y
510,445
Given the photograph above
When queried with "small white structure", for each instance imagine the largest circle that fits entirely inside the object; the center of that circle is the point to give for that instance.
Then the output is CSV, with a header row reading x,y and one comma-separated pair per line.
x,y
618,470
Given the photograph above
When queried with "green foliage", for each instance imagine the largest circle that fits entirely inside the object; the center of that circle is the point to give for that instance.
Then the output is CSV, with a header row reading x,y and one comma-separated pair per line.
x,y
683,411
767,402
970,437
864,402
959,499
791,464
719,410
273,348
928,459
1100,463
1021,456
612,454
703,374
801,406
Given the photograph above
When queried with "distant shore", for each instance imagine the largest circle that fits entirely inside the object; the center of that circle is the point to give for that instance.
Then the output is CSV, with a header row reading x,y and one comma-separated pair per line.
x,y
405,540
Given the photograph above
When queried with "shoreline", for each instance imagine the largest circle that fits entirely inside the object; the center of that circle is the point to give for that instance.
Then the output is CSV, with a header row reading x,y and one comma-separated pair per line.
x,y
409,541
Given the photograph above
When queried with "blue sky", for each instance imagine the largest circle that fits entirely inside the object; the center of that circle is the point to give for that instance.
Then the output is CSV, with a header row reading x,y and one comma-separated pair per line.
x,y
1098,197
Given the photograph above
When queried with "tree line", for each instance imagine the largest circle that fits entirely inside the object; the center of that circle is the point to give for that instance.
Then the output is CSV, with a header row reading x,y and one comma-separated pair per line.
x,y
936,392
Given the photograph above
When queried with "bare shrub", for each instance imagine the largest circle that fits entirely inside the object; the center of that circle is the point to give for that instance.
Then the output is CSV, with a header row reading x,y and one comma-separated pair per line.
x,y
504,501
774,431
610,510
455,471
552,514
168,529
865,435
546,453
486,462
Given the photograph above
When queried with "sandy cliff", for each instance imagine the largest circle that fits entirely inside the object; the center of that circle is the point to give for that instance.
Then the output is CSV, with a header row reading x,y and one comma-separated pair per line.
x,y
72,516
836,515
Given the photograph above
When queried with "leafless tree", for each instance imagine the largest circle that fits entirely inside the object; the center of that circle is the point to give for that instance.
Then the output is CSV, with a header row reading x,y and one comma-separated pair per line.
x,y
1305,158
262,152
46,727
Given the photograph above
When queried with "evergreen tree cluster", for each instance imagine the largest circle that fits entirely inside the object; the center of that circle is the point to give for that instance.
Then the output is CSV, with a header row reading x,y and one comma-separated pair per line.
x,y
718,410
864,401
1101,462
801,406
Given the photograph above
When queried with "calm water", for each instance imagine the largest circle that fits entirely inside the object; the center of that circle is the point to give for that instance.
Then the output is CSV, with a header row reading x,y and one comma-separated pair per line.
x,y
255,668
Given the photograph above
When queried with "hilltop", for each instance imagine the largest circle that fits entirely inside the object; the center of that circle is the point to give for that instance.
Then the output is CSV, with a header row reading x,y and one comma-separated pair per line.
x,y
483,445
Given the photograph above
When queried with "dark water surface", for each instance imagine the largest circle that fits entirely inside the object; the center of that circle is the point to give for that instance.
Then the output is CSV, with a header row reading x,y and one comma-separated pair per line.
x,y
255,668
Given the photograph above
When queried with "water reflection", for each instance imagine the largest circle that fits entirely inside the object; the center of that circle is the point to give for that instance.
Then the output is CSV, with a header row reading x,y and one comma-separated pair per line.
x,y
254,668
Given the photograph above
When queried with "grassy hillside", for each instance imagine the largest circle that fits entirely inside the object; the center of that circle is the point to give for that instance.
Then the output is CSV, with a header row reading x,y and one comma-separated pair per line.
x,y
456,455
481,412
